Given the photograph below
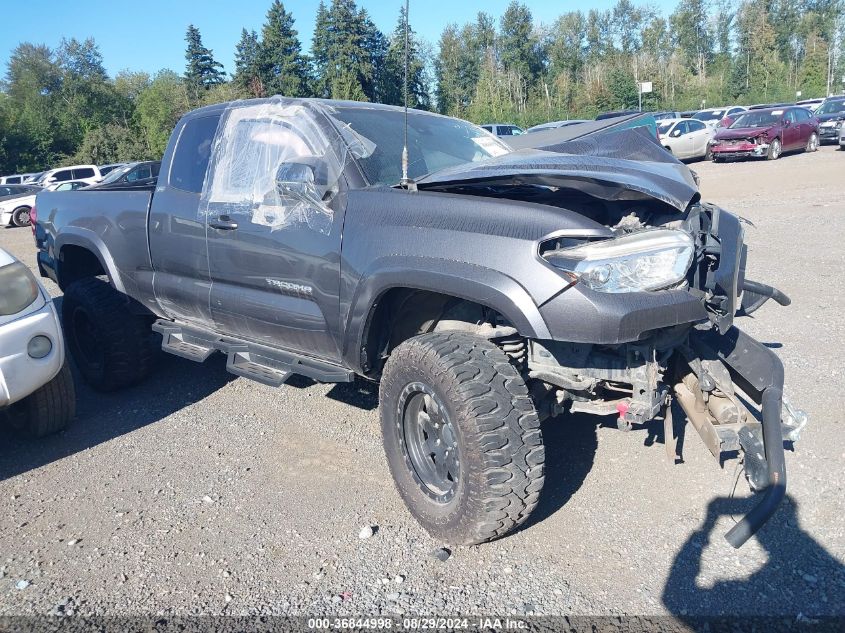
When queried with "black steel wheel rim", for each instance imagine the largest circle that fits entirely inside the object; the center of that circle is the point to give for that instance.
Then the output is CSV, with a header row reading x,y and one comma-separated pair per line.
x,y
429,442
86,339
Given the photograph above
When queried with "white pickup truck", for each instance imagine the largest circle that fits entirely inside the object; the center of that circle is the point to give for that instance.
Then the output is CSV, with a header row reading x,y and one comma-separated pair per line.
x,y
36,387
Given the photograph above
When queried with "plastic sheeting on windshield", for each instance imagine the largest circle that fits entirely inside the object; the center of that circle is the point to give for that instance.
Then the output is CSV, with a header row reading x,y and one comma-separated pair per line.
x,y
278,162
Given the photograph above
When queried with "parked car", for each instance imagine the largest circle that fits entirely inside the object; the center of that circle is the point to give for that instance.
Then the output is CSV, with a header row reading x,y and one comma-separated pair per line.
x,y
831,115
719,117
503,129
688,114
17,179
483,288
142,174
554,124
86,173
842,137
107,169
810,104
767,134
615,113
686,138
662,116
71,185
33,178
13,191
36,387
769,106
15,209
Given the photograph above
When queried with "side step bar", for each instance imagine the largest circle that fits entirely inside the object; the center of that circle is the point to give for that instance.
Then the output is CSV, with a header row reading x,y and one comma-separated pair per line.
x,y
250,360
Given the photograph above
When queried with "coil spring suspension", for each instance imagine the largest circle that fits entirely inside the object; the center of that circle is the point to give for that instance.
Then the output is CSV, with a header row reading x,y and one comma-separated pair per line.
x,y
516,349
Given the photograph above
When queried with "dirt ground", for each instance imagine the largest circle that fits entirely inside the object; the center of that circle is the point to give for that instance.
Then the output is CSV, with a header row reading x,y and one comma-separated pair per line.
x,y
199,492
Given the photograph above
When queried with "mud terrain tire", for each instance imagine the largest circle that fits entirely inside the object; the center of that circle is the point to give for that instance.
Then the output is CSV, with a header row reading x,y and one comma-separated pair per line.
x,y
474,389
112,345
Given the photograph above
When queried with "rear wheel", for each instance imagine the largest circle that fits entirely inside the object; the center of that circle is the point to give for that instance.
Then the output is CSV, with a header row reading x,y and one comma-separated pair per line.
x,y
20,216
773,153
812,142
462,437
112,345
47,410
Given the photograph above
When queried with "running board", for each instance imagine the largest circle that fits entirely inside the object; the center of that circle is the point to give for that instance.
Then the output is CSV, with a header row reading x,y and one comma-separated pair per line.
x,y
258,362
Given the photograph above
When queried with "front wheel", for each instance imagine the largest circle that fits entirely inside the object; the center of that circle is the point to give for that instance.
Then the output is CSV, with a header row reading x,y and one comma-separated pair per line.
x,y
47,410
20,216
773,153
812,142
708,153
462,437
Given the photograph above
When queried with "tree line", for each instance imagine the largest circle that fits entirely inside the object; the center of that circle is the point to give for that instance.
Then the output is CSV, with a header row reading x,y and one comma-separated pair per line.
x,y
60,106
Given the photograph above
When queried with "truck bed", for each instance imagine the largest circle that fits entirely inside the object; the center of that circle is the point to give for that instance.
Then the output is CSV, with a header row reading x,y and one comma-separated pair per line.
x,y
91,218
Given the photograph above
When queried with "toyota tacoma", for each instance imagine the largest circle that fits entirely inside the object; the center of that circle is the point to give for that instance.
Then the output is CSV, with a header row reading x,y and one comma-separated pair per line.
x,y
485,289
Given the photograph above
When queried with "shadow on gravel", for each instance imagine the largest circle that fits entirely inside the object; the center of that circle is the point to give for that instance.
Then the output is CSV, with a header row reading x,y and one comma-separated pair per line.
x,y
100,417
571,442
799,575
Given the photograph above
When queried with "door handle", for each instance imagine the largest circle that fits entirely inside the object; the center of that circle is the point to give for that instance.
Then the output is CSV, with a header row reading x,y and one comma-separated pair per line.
x,y
223,223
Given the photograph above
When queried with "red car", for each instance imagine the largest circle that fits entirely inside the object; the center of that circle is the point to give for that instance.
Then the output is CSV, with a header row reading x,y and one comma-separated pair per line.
x,y
767,134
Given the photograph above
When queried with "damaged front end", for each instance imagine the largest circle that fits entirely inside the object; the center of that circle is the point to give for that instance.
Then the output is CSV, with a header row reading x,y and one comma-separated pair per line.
x,y
729,386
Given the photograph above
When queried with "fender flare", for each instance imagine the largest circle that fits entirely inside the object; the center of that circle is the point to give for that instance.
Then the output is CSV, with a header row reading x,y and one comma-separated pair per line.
x,y
89,240
478,284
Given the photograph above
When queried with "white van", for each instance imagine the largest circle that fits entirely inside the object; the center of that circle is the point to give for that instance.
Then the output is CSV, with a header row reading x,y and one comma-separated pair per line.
x,y
86,173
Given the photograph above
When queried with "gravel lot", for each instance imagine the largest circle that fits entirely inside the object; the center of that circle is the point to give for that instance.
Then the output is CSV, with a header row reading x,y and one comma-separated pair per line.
x,y
198,492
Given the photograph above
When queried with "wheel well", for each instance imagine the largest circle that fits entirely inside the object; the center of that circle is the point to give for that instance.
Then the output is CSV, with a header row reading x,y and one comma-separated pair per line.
x,y
402,313
77,262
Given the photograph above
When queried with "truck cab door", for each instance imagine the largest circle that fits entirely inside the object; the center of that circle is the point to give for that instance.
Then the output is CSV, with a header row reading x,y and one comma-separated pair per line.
x,y
273,239
177,234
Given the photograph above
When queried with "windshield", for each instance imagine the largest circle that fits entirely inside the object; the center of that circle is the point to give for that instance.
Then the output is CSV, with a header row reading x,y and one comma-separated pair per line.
x,y
709,115
758,119
831,107
116,174
434,142
664,126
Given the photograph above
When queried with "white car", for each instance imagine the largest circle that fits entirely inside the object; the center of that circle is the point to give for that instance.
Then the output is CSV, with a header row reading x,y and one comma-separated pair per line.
x,y
842,138
719,117
686,138
36,387
86,173
15,211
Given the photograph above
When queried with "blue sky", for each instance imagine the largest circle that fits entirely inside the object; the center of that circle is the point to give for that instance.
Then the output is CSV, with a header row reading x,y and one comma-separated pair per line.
x,y
149,35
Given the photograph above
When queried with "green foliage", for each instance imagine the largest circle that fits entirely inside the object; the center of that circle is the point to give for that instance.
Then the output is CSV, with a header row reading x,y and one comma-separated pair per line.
x,y
59,106
159,108
202,70
281,66
393,76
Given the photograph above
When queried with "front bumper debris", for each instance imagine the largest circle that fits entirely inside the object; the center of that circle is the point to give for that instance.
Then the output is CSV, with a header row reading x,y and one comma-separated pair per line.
x,y
758,373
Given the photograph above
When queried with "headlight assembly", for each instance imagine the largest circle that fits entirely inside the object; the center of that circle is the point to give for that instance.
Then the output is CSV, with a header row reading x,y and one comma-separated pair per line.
x,y
18,288
647,260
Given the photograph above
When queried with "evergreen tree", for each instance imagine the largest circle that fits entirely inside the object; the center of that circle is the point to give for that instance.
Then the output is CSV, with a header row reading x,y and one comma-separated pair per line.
x,y
348,71
692,35
282,68
517,43
247,75
395,69
202,70
320,43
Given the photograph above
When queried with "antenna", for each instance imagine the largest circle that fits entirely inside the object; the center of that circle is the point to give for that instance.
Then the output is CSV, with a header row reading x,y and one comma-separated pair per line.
x,y
405,180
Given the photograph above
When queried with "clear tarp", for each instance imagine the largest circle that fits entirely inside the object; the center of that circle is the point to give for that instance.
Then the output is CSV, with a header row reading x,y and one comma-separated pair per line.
x,y
278,163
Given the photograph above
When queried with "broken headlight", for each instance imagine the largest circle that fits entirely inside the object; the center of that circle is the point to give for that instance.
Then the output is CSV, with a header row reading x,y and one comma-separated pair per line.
x,y
646,260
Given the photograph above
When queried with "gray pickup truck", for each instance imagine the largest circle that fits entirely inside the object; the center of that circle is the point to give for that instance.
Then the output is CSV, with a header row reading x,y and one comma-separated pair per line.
x,y
486,291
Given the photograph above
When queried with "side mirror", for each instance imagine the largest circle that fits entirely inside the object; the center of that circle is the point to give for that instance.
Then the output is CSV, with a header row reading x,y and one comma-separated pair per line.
x,y
786,123
302,182
676,132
